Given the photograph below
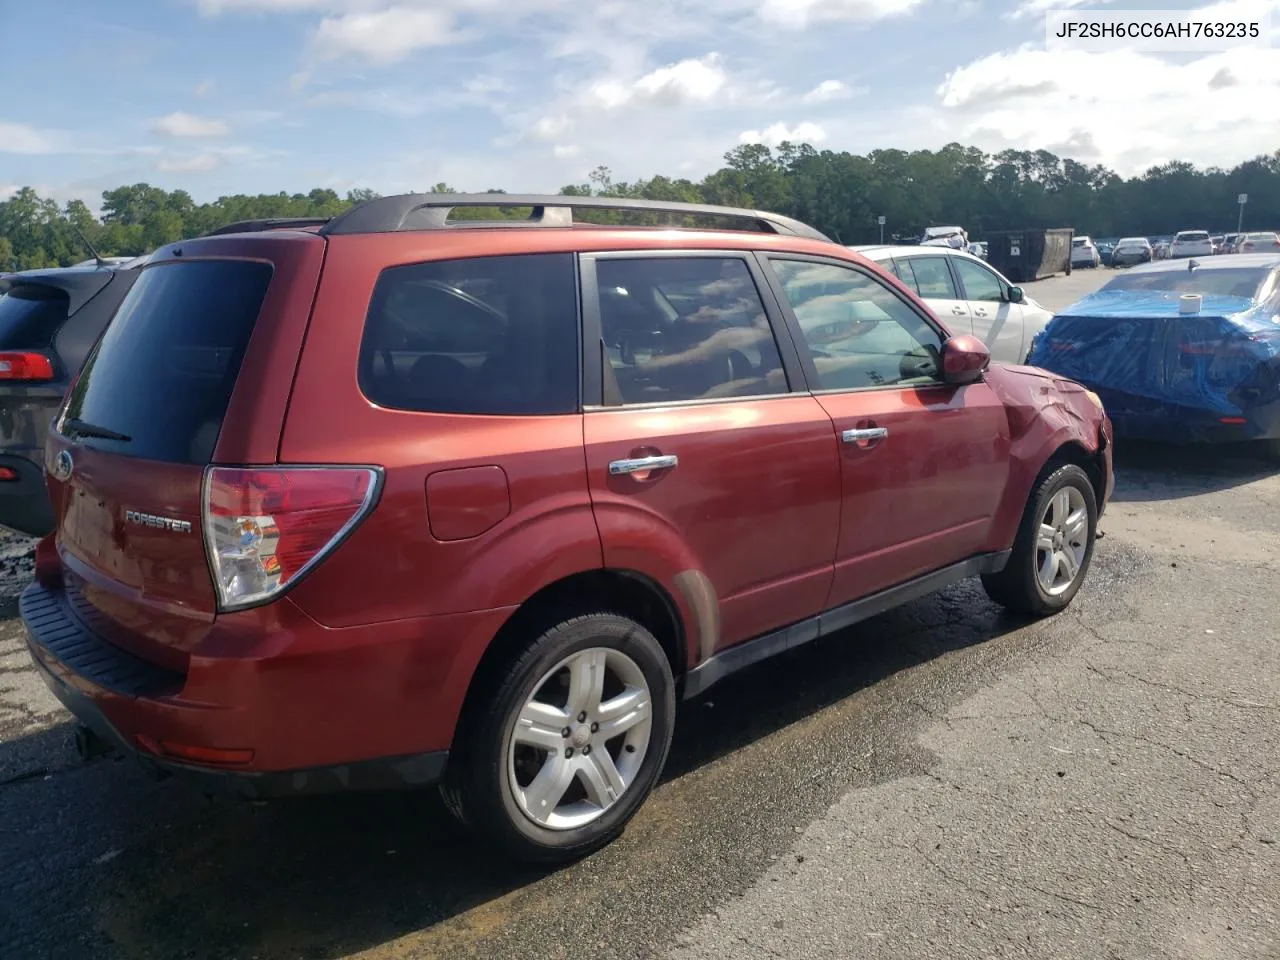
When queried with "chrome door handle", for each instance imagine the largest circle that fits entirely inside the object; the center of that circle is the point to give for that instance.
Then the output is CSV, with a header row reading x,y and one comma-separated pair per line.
x,y
641,464
866,433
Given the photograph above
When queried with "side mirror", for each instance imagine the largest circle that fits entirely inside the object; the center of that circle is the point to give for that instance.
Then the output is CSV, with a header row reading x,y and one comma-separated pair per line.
x,y
1017,295
964,358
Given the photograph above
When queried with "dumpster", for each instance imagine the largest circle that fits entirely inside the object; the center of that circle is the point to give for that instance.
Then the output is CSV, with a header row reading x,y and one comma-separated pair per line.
x,y
1026,255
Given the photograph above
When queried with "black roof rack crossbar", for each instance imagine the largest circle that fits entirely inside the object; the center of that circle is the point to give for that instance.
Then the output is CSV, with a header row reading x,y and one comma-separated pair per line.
x,y
273,223
431,211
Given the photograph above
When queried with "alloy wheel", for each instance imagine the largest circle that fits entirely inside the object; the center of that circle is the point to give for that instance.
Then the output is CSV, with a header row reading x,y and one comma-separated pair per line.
x,y
580,739
1062,541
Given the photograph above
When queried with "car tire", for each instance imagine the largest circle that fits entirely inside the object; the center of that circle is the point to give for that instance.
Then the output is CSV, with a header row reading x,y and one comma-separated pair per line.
x,y
489,784
1031,583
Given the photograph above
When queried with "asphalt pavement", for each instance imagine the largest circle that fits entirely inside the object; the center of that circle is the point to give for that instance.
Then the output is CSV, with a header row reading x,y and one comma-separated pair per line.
x,y
942,781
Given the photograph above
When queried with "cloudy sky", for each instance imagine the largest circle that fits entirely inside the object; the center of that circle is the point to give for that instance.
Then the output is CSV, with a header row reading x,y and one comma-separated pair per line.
x,y
228,96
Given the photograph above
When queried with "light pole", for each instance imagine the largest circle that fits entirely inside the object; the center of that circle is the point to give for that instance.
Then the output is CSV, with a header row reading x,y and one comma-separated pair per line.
x,y
1242,199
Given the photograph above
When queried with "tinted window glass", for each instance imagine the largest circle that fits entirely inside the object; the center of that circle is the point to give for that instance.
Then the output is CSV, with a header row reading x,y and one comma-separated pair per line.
x,y
486,335
29,317
163,373
687,328
979,282
933,279
858,331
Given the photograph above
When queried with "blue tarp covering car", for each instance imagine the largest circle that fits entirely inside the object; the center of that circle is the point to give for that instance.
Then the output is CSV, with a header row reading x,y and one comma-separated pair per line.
x,y
1212,375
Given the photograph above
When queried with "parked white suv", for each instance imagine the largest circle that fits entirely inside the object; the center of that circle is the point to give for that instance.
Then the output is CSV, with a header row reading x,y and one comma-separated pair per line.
x,y
969,295
1084,253
1191,243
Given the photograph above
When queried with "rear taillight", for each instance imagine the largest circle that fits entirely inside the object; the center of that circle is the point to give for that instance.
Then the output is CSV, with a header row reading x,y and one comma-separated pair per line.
x,y
264,527
25,366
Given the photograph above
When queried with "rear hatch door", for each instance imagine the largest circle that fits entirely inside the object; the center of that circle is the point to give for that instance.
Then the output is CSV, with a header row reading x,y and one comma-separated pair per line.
x,y
196,366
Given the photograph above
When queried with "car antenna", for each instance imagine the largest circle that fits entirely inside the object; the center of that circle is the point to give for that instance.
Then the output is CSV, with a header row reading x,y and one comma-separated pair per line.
x,y
85,240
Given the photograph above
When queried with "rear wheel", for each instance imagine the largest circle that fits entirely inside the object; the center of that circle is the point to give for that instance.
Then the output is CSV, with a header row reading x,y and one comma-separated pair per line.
x,y
1053,548
569,741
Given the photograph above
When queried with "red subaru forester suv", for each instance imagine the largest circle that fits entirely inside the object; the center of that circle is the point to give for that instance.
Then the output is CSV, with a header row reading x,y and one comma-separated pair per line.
x,y
402,498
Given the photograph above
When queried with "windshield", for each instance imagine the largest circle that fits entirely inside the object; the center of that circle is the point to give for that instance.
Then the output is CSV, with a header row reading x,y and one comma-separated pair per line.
x,y
1192,235
1234,282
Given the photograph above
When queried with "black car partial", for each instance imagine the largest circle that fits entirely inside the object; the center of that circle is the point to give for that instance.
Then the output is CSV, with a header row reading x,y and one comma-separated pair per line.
x,y
49,321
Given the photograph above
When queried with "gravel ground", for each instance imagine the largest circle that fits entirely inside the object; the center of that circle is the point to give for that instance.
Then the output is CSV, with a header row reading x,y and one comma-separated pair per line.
x,y
943,781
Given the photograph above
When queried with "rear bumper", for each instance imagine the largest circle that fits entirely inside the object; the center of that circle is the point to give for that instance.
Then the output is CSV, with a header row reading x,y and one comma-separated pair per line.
x,y
1204,429
24,501
320,710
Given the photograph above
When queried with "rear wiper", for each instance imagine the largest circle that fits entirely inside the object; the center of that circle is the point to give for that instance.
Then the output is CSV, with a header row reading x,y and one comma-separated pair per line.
x,y
85,429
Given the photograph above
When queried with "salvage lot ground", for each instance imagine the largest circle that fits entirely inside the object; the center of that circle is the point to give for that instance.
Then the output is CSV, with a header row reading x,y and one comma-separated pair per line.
x,y
941,782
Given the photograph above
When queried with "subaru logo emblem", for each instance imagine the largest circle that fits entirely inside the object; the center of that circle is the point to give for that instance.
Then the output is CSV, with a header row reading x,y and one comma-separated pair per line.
x,y
63,466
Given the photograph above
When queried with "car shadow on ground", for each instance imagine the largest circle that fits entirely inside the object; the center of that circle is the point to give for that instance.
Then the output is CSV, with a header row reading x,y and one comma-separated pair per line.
x,y
1161,471
158,871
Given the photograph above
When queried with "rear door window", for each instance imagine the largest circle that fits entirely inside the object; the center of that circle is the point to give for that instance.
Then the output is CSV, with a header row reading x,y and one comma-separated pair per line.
x,y
30,316
484,335
933,278
163,373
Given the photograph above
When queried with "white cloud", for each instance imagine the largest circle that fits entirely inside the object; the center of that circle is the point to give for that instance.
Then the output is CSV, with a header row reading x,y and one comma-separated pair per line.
x,y
829,90
1038,8
1136,110
799,14
780,133
204,88
384,36
552,127
565,150
21,138
182,124
692,81
194,163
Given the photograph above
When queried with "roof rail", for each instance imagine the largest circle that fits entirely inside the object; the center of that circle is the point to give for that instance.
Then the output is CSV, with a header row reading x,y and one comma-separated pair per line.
x,y
273,223
430,211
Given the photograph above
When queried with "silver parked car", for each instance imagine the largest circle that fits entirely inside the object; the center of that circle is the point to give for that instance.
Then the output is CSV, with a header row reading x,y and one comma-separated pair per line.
x,y
970,295
1132,250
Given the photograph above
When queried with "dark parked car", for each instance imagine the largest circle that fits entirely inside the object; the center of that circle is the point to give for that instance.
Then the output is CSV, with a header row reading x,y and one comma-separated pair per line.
x,y
395,498
49,321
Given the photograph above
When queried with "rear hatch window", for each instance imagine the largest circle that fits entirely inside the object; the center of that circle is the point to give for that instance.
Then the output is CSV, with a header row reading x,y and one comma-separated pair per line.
x,y
30,316
163,373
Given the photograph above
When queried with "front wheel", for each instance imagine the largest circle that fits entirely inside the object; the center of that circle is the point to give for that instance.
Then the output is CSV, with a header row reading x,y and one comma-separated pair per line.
x,y
1053,548
569,741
